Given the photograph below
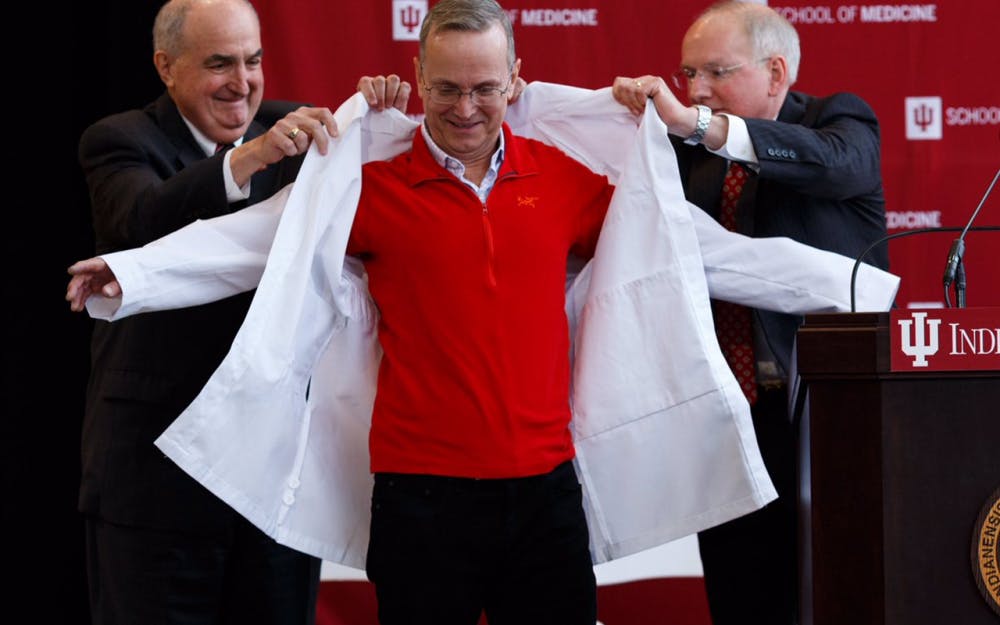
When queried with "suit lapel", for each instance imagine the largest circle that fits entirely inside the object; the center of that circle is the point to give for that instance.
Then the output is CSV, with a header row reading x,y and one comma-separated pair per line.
x,y
704,189
705,181
169,119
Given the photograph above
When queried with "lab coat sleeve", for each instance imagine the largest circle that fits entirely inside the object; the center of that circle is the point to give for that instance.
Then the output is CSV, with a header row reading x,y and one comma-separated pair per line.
x,y
776,273
783,275
207,260
212,259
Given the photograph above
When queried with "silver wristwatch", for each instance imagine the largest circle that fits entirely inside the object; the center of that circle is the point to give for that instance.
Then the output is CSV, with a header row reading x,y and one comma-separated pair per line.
x,y
701,127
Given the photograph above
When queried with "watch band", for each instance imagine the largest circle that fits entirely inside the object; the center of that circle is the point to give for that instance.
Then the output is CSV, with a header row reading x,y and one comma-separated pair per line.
x,y
701,127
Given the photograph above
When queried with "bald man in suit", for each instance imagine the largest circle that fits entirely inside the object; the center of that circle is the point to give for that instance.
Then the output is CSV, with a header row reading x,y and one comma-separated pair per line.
x,y
765,161
161,548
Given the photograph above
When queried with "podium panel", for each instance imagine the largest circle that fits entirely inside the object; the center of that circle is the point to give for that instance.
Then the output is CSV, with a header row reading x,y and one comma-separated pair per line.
x,y
895,468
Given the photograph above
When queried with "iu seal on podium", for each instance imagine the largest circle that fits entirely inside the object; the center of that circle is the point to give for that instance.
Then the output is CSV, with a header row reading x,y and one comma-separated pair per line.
x,y
986,551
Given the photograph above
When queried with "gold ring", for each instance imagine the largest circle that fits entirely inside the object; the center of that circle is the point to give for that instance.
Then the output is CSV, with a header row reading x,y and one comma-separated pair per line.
x,y
294,132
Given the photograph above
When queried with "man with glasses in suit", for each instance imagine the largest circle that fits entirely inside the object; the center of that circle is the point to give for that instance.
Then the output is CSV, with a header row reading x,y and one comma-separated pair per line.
x,y
767,162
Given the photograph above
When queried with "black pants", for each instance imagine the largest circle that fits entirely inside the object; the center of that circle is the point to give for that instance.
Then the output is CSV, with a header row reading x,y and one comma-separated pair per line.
x,y
443,550
750,563
237,576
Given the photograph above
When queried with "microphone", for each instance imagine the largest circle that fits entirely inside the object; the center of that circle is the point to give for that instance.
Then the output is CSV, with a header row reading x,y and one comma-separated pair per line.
x,y
957,251
881,240
960,285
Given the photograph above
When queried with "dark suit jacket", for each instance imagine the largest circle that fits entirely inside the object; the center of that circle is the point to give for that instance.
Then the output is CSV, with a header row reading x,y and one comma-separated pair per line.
x,y
147,177
820,183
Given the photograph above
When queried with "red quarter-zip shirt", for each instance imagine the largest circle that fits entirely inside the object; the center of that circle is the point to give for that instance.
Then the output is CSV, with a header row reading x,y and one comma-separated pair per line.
x,y
474,378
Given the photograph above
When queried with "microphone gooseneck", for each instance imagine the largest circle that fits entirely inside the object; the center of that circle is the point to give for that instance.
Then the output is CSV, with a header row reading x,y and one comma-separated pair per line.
x,y
897,235
954,262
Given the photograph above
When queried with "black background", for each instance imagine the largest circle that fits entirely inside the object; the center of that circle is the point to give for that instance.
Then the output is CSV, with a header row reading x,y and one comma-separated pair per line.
x,y
78,62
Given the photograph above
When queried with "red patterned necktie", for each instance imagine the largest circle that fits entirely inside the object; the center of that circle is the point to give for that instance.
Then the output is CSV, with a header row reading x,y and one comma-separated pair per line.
x,y
732,321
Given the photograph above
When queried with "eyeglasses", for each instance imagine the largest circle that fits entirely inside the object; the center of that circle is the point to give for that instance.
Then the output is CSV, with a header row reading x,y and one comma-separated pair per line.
x,y
711,72
449,95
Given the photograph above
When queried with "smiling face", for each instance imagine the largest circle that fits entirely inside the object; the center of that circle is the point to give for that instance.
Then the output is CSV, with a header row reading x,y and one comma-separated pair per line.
x,y
756,89
465,60
216,78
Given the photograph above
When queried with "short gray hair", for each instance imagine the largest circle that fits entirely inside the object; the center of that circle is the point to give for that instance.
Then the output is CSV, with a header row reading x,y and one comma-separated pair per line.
x,y
770,34
467,15
168,27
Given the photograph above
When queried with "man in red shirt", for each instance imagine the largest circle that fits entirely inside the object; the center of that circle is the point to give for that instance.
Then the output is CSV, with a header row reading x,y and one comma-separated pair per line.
x,y
465,239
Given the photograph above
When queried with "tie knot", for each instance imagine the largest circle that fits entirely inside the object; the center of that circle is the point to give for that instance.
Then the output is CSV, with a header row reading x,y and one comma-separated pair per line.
x,y
221,147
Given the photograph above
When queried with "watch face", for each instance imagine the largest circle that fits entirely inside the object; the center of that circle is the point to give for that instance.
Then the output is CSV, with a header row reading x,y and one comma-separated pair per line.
x,y
701,126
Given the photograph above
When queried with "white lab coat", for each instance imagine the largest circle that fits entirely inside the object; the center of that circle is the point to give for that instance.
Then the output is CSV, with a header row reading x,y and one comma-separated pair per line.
x,y
664,442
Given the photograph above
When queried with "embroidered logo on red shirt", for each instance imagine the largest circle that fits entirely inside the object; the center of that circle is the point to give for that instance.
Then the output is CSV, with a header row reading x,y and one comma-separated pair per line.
x,y
526,201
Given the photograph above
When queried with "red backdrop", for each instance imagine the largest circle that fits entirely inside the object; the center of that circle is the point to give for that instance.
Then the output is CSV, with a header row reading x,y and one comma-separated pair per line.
x,y
929,70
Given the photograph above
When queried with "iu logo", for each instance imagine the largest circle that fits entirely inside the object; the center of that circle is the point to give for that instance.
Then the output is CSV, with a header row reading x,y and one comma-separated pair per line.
x,y
923,118
924,339
407,15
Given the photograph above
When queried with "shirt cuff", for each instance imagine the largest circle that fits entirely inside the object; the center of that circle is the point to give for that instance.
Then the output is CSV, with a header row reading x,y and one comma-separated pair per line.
x,y
738,146
233,192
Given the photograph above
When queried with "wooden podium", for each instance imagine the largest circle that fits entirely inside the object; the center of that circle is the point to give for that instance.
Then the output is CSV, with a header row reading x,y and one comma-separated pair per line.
x,y
895,468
